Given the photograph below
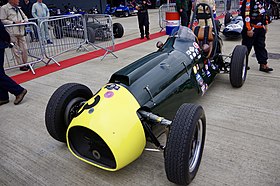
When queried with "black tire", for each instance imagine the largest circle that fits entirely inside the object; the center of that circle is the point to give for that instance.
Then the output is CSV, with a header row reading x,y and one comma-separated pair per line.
x,y
58,33
227,19
185,144
126,14
238,66
60,107
91,34
118,30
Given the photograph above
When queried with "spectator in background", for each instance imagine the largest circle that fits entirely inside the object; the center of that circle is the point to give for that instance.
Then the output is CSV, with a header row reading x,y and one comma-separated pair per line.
x,y
26,7
254,30
6,83
143,18
10,14
41,12
184,8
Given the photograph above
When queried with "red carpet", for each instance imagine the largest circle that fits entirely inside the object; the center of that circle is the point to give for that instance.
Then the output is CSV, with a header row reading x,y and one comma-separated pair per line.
x,y
42,71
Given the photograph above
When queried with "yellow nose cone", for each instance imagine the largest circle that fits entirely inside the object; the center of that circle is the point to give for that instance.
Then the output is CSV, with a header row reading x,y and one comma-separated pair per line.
x,y
107,132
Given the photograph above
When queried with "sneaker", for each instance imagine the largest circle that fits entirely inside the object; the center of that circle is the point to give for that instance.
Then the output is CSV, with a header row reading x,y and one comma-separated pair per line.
x,y
265,68
2,102
148,37
20,97
49,42
142,37
24,68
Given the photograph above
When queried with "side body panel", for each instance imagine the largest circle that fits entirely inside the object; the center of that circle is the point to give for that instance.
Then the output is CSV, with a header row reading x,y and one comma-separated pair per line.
x,y
165,79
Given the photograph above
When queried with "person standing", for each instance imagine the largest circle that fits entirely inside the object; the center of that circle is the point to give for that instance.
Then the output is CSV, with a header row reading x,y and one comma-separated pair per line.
x,y
10,14
143,18
41,12
6,83
255,29
184,8
26,7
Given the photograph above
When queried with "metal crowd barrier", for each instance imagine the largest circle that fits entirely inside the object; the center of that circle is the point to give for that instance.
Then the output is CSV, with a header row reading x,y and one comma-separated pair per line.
x,y
34,48
171,7
65,33
99,31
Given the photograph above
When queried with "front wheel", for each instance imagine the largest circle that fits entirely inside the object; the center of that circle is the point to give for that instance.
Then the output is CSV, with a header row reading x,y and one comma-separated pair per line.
x,y
185,144
62,107
238,66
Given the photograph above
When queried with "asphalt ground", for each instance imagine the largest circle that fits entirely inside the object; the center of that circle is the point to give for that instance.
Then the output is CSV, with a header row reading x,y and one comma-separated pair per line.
x,y
242,144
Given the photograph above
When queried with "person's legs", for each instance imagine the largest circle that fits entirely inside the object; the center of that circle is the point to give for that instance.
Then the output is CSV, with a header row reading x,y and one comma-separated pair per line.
x,y
6,83
141,25
42,31
16,49
23,47
4,96
147,24
184,18
260,50
259,46
247,41
46,30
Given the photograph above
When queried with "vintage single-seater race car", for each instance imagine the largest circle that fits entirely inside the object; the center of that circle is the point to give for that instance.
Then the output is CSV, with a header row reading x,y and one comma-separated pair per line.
x,y
109,129
233,26
125,11
73,26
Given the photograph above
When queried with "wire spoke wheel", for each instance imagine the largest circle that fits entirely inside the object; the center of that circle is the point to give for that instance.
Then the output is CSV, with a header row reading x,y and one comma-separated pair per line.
x,y
196,146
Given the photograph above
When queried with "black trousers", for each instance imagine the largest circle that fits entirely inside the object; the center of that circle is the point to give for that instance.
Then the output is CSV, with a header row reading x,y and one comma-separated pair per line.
x,y
6,83
185,17
143,21
258,41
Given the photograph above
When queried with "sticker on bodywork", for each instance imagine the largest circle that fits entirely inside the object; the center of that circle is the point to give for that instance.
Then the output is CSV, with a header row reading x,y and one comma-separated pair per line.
x,y
191,49
109,94
195,45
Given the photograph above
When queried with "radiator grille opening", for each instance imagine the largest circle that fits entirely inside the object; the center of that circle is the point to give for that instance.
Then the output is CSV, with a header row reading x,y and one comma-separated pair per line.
x,y
88,145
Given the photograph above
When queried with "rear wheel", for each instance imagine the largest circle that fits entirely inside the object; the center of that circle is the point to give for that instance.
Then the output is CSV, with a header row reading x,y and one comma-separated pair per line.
x,y
185,144
118,30
62,107
238,66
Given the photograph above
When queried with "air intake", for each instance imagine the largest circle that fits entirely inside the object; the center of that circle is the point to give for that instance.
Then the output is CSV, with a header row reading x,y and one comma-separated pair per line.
x,y
90,146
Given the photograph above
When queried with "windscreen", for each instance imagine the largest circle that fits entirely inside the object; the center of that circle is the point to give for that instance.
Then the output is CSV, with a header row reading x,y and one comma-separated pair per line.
x,y
184,37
